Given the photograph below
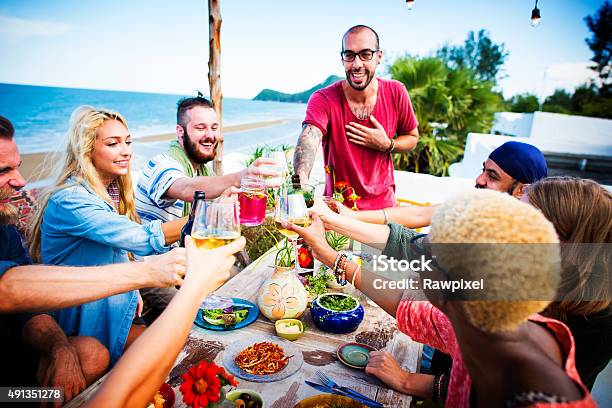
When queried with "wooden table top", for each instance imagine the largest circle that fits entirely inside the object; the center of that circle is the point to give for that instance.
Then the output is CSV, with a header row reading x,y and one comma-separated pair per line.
x,y
377,329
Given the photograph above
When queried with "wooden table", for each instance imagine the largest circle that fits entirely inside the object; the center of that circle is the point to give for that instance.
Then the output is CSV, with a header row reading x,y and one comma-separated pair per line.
x,y
378,329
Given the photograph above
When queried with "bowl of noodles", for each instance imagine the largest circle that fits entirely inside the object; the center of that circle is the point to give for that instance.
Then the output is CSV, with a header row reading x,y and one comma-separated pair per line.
x,y
262,359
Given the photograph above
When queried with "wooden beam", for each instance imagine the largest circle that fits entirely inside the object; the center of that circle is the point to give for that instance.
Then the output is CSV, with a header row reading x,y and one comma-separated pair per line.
x,y
214,74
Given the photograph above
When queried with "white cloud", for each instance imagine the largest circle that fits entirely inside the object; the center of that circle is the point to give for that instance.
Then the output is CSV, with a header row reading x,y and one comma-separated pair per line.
x,y
568,76
22,28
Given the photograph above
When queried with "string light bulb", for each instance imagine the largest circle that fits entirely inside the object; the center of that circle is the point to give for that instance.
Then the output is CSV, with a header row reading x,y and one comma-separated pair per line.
x,y
535,15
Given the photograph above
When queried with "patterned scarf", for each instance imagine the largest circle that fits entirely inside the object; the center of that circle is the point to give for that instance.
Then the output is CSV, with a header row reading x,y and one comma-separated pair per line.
x,y
177,152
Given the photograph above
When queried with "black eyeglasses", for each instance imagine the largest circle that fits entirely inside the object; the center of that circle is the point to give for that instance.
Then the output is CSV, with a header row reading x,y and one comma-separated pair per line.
x,y
364,55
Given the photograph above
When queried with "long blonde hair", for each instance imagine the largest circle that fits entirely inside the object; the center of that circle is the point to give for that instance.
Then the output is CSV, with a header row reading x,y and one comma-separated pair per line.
x,y
77,163
581,211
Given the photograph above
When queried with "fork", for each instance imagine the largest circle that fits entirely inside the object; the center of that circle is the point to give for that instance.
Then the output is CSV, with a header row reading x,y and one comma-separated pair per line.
x,y
332,384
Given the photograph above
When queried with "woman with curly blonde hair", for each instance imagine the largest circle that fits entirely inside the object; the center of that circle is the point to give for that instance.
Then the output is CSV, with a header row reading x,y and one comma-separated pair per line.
x,y
88,217
504,353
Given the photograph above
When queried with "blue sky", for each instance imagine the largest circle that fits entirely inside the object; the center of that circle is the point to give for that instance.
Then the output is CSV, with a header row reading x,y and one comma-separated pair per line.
x,y
288,45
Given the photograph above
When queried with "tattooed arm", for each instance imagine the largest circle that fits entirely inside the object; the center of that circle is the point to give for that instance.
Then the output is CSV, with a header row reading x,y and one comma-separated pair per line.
x,y
306,150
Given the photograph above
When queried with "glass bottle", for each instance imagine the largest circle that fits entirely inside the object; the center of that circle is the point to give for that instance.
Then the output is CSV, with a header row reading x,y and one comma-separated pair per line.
x,y
197,196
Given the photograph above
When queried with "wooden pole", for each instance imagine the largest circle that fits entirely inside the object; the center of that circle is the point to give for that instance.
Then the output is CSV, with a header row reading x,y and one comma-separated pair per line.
x,y
214,74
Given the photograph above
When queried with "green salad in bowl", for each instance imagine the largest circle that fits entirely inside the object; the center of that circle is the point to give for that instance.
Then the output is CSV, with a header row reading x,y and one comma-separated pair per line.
x,y
224,317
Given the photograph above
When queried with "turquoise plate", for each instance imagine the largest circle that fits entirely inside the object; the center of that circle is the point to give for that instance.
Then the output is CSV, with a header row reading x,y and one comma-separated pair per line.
x,y
355,355
238,303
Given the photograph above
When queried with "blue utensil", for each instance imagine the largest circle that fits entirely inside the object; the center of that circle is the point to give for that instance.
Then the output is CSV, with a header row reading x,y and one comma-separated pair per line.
x,y
328,390
332,384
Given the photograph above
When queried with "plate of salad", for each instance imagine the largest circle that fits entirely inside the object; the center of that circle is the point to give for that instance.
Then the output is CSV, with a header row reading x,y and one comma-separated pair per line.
x,y
240,314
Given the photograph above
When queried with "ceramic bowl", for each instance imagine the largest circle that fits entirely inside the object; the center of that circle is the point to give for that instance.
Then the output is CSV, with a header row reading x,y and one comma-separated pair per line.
x,y
333,321
355,355
234,395
289,336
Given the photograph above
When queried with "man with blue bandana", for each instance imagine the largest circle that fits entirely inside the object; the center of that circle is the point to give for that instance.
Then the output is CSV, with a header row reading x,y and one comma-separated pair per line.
x,y
510,169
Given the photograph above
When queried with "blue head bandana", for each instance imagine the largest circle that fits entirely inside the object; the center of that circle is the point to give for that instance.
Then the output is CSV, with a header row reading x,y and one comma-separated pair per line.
x,y
523,162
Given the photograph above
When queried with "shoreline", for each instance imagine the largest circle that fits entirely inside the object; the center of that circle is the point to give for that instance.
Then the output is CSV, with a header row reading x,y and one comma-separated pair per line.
x,y
31,161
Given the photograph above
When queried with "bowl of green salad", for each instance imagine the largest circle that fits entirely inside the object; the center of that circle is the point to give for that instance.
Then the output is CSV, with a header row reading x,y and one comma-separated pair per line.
x,y
336,312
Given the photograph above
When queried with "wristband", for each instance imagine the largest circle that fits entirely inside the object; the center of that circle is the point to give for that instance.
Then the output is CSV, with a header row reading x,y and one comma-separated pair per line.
x,y
355,274
385,214
391,147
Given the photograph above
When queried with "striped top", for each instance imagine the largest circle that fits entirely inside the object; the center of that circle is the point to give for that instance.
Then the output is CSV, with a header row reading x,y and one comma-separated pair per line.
x,y
151,200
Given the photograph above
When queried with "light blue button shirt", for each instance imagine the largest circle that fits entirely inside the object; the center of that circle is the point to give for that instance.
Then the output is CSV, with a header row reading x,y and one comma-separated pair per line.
x,y
81,229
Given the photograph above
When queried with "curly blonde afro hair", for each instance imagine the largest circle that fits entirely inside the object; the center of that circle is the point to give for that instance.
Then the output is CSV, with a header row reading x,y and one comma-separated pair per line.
x,y
519,280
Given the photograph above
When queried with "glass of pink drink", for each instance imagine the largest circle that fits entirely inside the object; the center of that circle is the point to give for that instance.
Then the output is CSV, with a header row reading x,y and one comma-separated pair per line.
x,y
252,199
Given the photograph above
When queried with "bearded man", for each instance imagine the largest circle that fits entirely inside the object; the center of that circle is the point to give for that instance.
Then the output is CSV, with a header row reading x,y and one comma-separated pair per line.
x,y
166,186
360,121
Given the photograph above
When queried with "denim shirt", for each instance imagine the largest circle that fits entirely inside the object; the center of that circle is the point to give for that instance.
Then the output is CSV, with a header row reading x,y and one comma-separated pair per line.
x,y
81,229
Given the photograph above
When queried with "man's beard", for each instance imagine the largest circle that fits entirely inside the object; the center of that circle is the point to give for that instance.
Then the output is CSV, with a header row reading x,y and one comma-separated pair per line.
x,y
191,149
510,189
9,214
363,86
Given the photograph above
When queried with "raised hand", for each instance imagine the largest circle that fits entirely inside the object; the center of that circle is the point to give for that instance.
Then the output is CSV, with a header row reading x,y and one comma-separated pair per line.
x,y
314,236
207,270
168,269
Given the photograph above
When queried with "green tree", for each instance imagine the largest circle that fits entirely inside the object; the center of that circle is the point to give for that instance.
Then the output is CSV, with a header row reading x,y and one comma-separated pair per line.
x,y
480,54
524,103
558,102
449,103
600,43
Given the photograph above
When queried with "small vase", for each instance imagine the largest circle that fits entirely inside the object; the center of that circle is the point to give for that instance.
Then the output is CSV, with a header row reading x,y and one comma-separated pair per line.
x,y
282,295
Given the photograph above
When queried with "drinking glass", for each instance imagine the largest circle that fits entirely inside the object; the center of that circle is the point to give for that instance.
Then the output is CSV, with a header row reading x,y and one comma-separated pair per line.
x,y
290,207
253,199
215,223
332,203
279,166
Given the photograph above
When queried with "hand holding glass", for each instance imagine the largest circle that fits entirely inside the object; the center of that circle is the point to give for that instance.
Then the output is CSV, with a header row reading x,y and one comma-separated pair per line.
x,y
290,207
279,167
216,223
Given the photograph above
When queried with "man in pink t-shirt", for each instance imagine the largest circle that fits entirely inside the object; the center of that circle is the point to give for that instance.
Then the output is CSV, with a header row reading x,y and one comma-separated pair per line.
x,y
360,122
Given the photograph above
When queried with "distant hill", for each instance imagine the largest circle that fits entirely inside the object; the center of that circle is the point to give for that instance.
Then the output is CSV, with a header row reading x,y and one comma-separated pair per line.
x,y
272,95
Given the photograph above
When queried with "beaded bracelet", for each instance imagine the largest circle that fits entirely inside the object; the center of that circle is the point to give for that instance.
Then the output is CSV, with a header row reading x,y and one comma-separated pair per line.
x,y
440,386
340,269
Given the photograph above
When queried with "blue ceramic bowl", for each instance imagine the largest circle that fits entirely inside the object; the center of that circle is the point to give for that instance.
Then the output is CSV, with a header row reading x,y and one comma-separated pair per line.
x,y
333,321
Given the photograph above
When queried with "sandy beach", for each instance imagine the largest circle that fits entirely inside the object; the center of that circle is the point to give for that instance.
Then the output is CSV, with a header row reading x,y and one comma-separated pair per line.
x,y
31,161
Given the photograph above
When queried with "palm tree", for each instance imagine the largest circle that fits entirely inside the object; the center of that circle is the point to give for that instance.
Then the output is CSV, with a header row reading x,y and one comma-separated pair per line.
x,y
453,97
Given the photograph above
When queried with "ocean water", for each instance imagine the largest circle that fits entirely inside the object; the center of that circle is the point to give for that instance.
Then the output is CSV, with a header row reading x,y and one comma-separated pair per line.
x,y
40,115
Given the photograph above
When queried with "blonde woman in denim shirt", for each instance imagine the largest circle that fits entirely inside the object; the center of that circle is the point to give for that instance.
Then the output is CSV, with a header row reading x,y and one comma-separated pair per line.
x,y
88,217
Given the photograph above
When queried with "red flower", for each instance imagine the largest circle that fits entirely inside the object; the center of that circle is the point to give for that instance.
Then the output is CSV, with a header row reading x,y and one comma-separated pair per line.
x,y
229,379
202,384
304,258
340,185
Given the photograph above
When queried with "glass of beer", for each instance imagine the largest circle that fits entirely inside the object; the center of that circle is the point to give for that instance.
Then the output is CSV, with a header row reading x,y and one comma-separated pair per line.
x,y
216,223
290,207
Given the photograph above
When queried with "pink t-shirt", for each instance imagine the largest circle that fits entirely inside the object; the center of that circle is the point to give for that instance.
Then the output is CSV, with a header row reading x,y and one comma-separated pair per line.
x,y
426,324
369,172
